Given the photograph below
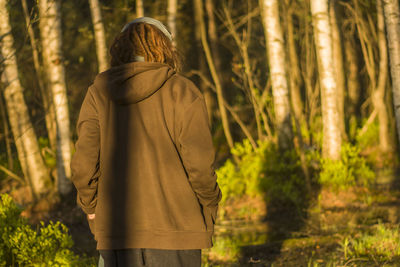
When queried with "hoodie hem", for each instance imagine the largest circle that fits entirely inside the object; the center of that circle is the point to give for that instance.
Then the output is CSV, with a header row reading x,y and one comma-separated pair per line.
x,y
169,240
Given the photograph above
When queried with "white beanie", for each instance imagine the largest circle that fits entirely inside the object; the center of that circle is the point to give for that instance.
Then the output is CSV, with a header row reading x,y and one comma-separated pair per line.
x,y
151,21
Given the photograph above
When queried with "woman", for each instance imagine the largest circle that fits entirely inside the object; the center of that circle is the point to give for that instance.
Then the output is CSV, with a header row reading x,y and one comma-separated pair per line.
x,y
143,165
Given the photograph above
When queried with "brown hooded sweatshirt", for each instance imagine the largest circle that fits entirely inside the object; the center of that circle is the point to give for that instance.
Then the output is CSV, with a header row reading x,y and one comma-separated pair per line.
x,y
144,160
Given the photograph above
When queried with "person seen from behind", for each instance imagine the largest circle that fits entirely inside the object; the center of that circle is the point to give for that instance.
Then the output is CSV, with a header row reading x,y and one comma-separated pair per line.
x,y
144,160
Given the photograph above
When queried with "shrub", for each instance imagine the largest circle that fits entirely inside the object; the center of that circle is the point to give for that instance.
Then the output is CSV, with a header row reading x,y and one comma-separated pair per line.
x,y
350,170
262,170
20,245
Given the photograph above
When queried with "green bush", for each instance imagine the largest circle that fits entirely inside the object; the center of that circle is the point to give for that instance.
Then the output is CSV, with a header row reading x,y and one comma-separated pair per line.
x,y
350,170
20,245
263,171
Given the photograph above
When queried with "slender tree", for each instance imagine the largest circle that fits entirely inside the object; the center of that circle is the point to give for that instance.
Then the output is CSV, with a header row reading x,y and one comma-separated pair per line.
x,y
330,115
139,8
338,64
214,74
392,22
50,32
172,12
380,90
277,67
293,68
99,35
48,106
32,163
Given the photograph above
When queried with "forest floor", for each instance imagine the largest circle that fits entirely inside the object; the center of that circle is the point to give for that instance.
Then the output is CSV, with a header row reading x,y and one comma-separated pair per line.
x,y
319,236
283,236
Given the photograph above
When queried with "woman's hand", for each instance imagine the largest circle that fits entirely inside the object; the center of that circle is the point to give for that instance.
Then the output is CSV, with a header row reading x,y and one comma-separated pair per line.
x,y
91,216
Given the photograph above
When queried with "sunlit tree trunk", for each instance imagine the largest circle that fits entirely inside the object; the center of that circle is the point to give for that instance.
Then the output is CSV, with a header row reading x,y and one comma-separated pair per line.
x,y
139,8
214,74
392,21
330,115
338,65
99,35
49,112
276,58
378,97
171,18
50,32
32,163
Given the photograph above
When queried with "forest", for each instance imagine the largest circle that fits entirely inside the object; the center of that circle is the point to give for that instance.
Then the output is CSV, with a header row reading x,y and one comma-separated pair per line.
x,y
303,102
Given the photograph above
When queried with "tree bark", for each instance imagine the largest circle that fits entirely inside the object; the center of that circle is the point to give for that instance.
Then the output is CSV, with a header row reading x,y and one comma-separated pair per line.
x,y
202,66
338,65
10,159
48,107
214,74
294,73
392,22
32,163
353,84
50,32
331,143
380,91
139,8
99,35
278,72
171,18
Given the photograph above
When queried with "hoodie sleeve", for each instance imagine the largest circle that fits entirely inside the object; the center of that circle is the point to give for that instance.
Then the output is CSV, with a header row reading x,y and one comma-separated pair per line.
x,y
197,153
85,161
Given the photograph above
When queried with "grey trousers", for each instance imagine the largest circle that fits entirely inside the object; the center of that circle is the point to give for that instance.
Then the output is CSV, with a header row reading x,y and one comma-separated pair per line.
x,y
150,258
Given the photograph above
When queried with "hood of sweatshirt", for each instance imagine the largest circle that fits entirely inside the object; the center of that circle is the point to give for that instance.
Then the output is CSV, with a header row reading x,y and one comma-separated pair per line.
x,y
132,82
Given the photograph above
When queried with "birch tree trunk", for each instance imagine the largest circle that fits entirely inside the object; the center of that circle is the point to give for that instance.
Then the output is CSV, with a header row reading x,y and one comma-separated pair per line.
x,y
32,163
50,32
276,58
392,21
48,106
139,8
331,143
99,35
378,96
171,18
338,65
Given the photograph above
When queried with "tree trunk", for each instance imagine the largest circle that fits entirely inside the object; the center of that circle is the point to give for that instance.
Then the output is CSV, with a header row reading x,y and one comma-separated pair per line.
x,y
10,159
214,74
331,143
171,18
48,107
294,73
50,31
392,21
99,35
380,91
278,73
338,65
353,84
32,163
202,66
139,8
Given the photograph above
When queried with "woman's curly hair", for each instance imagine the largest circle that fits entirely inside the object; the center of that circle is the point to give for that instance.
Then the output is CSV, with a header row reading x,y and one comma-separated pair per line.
x,y
143,39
